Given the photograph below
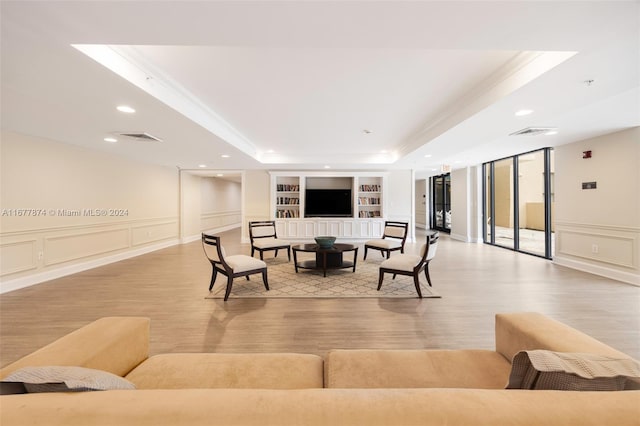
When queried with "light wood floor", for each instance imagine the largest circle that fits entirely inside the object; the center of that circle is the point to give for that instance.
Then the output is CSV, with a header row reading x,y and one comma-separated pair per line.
x,y
169,286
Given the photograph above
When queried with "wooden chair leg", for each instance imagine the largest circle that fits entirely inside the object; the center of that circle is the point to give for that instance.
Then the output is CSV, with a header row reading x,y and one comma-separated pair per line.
x,y
365,253
214,274
380,277
416,281
261,255
264,279
276,255
388,254
289,253
253,250
426,274
229,285
394,276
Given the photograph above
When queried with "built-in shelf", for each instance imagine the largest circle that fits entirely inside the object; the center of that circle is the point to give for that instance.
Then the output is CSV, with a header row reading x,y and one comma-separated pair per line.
x,y
287,197
288,191
369,197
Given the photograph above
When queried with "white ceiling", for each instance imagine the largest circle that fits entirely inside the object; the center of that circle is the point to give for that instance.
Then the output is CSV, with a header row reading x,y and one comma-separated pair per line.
x,y
351,85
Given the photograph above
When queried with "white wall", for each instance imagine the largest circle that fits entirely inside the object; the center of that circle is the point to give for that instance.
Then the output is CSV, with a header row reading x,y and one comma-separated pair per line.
x,y
221,204
400,202
190,207
422,203
466,193
256,198
598,230
91,208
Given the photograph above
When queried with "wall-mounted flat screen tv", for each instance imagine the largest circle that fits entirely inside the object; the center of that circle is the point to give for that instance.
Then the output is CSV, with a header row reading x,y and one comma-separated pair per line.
x,y
328,203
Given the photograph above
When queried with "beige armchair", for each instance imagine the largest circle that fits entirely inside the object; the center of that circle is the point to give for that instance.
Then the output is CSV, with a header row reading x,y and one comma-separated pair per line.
x,y
410,264
238,265
393,238
264,238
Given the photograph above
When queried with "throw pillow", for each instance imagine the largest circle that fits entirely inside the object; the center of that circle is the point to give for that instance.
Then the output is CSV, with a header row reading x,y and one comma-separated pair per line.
x,y
66,379
541,369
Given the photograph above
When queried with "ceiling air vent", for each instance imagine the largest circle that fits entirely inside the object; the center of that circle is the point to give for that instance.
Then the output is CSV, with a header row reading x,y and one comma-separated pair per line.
x,y
532,131
142,136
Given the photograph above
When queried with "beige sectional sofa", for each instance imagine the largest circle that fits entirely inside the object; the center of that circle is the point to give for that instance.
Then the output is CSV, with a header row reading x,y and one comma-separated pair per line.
x,y
346,387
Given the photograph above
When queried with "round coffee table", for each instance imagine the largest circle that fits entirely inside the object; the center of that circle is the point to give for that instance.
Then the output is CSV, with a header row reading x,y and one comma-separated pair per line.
x,y
326,258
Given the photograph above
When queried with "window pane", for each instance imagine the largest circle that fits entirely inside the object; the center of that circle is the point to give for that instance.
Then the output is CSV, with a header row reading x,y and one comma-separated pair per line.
x,y
531,200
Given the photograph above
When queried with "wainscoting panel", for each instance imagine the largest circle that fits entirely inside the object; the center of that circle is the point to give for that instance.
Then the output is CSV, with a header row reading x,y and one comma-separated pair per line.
x,y
600,248
18,256
37,255
220,219
605,250
155,232
64,248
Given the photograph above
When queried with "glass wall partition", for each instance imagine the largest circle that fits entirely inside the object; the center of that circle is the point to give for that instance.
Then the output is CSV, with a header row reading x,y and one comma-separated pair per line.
x,y
518,202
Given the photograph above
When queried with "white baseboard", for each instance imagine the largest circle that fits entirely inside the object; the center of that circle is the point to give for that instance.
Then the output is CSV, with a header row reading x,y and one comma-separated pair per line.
x,y
191,238
34,279
626,277
459,237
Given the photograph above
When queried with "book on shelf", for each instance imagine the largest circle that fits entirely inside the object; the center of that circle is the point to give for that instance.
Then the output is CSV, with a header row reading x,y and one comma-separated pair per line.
x,y
370,188
287,200
284,187
287,213
368,201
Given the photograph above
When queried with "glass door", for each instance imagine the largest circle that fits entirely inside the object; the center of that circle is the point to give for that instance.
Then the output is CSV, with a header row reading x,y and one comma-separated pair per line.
x,y
518,202
441,196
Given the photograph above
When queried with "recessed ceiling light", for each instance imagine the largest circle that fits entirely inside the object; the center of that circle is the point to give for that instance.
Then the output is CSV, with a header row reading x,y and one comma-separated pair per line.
x,y
327,167
126,108
219,175
202,165
433,170
458,161
551,132
270,151
112,140
523,112
427,156
225,156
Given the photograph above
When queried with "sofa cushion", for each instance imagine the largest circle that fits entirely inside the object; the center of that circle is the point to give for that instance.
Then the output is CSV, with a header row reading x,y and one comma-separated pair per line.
x,y
113,344
206,370
540,369
66,379
416,369
523,331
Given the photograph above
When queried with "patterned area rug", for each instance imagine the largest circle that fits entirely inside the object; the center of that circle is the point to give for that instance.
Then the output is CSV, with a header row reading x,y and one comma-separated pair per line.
x,y
285,283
